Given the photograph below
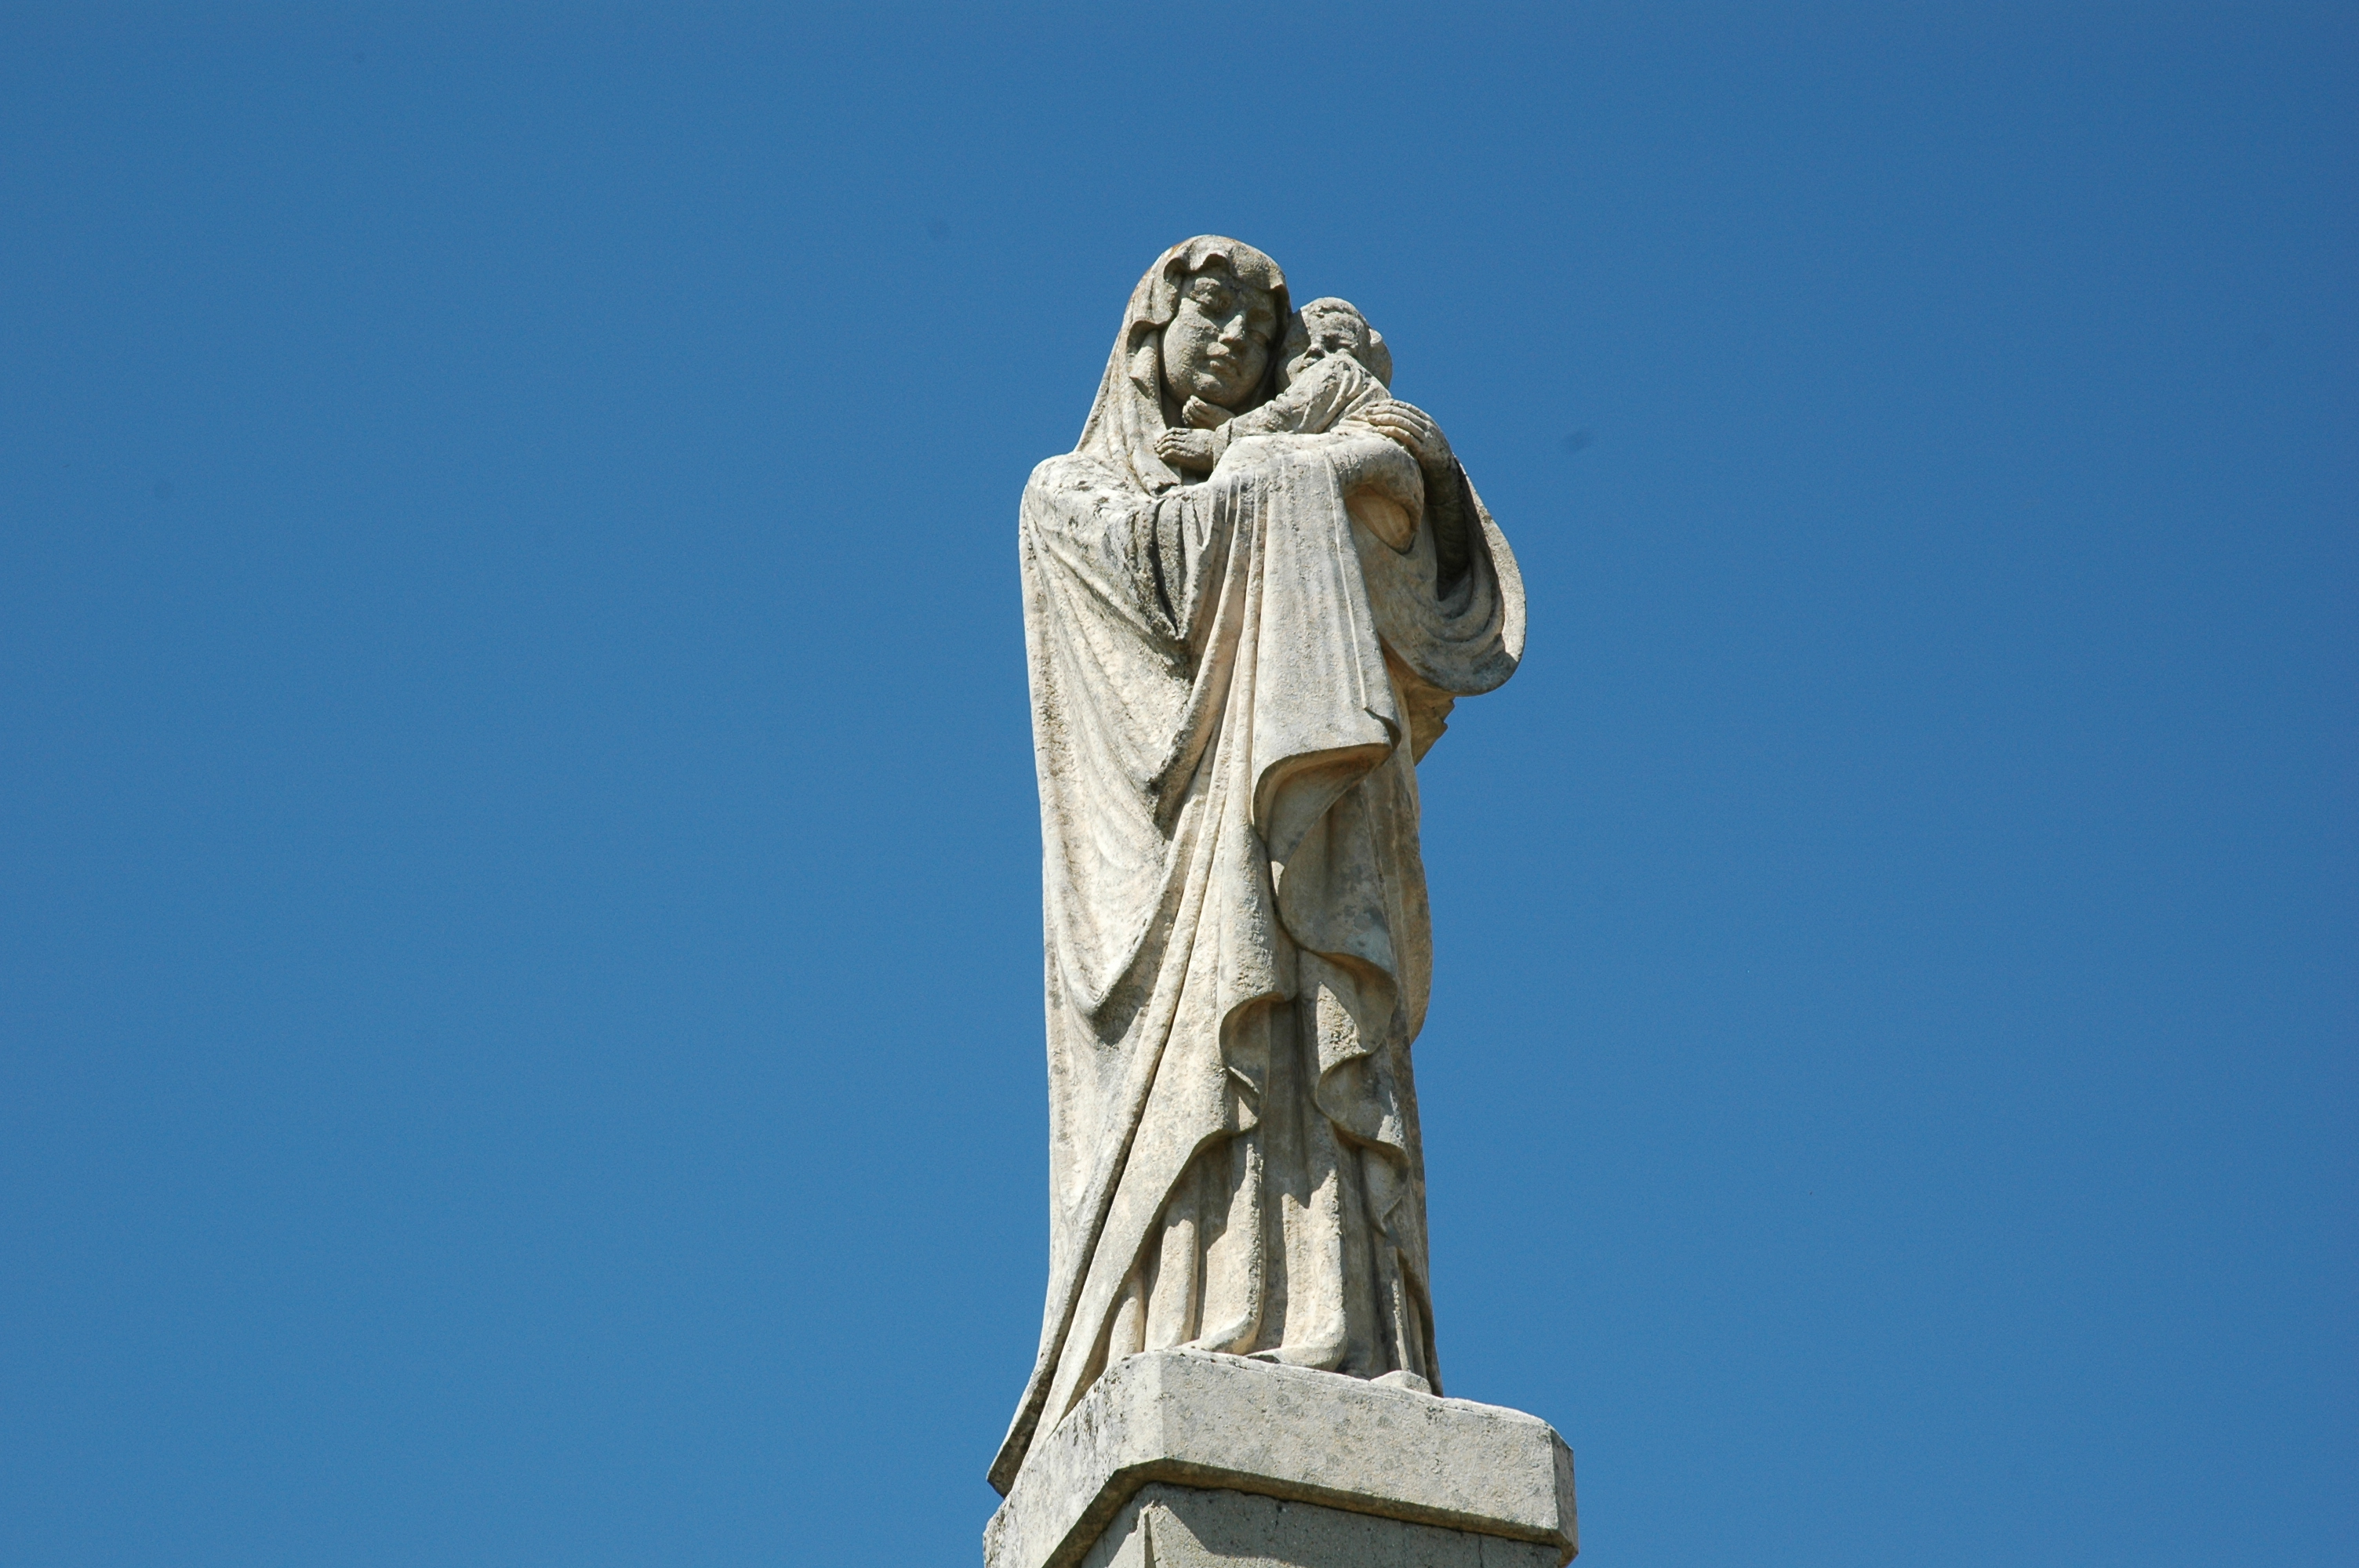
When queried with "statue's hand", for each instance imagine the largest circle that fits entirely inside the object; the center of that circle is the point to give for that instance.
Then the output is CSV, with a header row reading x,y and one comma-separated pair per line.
x,y
1187,448
1204,415
1415,430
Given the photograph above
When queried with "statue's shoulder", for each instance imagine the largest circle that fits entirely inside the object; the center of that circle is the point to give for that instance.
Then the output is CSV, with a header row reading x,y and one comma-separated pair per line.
x,y
1075,471
1080,485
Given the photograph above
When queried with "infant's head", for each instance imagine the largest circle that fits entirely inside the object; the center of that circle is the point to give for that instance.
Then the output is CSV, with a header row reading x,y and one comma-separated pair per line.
x,y
1329,327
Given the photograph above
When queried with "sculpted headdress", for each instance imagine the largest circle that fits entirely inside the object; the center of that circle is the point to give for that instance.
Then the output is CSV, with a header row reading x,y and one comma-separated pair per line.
x,y
1132,409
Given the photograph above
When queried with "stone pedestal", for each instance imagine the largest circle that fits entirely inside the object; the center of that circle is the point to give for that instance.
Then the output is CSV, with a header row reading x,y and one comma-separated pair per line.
x,y
1178,1459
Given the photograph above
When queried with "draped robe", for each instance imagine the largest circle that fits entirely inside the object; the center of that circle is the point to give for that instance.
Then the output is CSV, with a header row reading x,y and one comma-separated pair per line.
x,y
1232,681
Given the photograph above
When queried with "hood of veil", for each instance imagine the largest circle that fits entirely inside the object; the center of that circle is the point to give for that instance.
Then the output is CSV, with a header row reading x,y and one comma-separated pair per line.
x,y
1132,410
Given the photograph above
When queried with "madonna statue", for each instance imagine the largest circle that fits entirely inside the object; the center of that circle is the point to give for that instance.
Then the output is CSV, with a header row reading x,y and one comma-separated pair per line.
x,y
1234,670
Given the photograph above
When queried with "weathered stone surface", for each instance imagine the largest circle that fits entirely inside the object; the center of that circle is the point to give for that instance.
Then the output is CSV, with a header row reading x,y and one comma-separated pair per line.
x,y
1253,593
1199,1421
1189,1526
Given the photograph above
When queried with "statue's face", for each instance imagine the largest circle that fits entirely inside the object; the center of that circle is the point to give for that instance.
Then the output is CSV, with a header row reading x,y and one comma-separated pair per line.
x,y
1218,343
1323,331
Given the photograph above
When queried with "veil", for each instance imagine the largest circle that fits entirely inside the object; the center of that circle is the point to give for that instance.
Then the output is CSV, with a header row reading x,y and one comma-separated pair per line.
x,y
1132,409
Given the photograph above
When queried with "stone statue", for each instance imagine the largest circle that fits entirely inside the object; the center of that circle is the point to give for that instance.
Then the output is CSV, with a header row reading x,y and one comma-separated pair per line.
x,y
1251,595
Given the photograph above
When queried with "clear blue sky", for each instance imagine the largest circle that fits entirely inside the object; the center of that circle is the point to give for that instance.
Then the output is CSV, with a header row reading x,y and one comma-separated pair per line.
x,y
519,970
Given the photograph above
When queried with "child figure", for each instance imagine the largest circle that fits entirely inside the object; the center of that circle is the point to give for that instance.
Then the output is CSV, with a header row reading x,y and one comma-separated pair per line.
x,y
1336,367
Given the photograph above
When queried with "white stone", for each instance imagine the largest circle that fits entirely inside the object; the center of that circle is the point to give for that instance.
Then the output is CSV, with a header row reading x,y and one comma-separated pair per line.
x,y
1187,1527
1253,592
1388,1475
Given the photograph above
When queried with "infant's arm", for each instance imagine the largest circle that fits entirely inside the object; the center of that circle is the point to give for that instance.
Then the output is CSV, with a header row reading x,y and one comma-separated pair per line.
x,y
1310,404
1316,400
1279,413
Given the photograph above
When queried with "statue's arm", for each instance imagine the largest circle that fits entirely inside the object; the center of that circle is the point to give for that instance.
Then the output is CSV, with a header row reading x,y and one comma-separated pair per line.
x,y
1447,507
1103,532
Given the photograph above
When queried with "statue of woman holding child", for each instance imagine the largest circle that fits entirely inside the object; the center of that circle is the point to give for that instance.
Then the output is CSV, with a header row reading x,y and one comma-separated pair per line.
x,y
1251,595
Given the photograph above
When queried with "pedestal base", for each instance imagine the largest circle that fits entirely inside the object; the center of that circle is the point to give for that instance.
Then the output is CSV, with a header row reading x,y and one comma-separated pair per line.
x,y
1187,1527
1180,1459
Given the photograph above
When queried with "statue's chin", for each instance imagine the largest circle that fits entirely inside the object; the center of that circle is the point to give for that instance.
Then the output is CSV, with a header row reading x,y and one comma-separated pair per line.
x,y
1213,389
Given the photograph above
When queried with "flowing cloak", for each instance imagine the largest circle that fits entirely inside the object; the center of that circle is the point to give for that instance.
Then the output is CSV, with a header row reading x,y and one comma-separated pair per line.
x,y
1231,681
